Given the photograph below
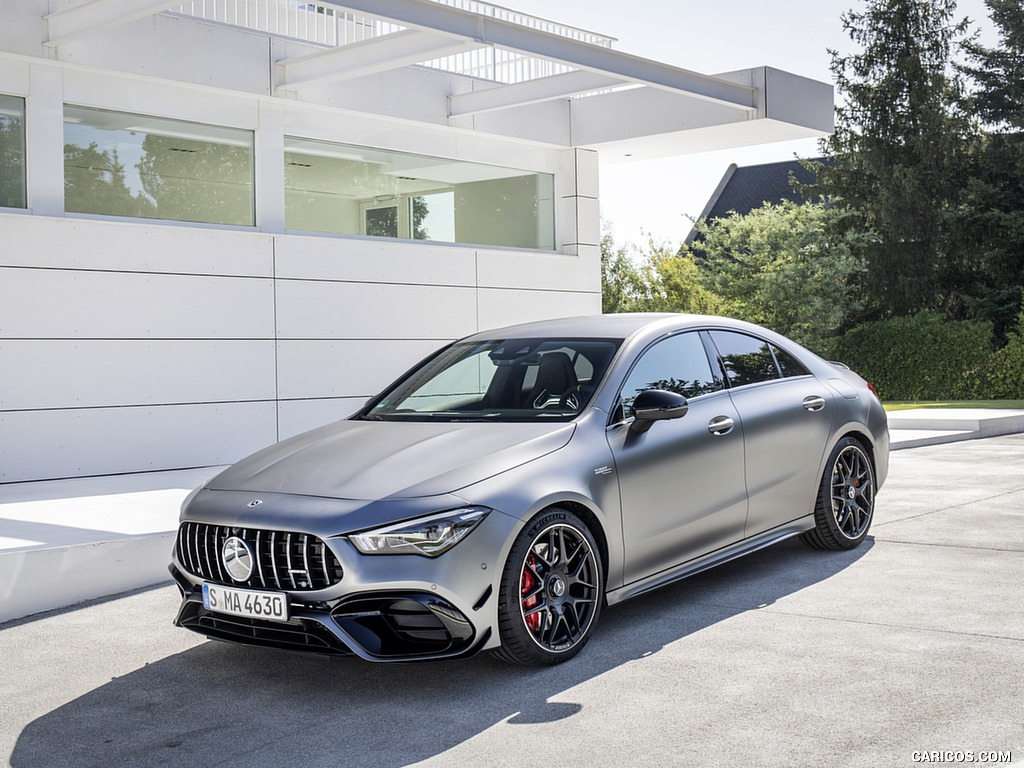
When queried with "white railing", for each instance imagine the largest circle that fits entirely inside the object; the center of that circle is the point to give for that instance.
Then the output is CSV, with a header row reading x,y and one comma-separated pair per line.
x,y
331,27
526,20
308,22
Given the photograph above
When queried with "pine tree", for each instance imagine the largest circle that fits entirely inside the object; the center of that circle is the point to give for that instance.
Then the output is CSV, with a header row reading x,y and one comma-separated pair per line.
x,y
992,216
999,72
897,156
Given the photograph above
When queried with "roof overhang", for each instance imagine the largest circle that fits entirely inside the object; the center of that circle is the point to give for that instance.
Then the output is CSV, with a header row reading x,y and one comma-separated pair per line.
x,y
489,31
604,99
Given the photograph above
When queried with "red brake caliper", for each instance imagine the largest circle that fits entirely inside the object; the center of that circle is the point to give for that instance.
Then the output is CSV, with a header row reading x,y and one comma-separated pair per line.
x,y
529,583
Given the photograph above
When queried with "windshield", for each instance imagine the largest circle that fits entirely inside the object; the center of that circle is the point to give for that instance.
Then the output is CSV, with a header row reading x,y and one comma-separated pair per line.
x,y
500,380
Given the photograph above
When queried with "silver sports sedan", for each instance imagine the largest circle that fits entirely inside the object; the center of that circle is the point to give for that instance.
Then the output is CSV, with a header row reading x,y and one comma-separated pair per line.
x,y
508,488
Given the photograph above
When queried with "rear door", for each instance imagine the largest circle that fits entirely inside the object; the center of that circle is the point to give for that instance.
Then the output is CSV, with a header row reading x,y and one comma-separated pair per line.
x,y
787,420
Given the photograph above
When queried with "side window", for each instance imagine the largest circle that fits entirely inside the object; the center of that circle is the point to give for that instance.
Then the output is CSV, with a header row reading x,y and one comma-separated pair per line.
x,y
677,364
789,365
746,360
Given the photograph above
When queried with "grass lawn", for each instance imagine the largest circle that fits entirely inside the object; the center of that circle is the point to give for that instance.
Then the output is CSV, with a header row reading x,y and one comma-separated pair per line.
x,y
1009,404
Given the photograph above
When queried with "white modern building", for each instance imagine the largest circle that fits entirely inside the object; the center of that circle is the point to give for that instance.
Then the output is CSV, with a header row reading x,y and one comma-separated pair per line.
x,y
224,222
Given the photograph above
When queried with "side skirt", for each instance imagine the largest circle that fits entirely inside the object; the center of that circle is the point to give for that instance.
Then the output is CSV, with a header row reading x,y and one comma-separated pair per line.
x,y
710,560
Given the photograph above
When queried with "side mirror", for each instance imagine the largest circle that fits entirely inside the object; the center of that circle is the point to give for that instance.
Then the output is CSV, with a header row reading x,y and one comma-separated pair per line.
x,y
655,405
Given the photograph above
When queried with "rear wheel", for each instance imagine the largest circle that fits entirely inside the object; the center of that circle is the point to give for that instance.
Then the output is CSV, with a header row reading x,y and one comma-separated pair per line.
x,y
550,591
846,499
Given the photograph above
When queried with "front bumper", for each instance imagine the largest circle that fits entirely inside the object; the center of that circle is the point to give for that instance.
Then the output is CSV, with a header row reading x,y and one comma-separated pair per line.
x,y
388,626
340,601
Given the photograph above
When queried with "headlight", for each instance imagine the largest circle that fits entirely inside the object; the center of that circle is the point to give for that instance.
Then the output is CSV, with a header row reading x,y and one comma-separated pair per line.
x,y
429,536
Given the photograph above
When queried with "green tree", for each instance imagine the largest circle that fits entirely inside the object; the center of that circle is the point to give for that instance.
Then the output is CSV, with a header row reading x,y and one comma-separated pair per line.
x,y
992,214
660,279
623,287
678,283
781,266
898,153
998,73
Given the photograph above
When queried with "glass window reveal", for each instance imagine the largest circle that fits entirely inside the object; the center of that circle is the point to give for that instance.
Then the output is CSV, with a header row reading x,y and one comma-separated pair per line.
x,y
119,164
345,189
12,152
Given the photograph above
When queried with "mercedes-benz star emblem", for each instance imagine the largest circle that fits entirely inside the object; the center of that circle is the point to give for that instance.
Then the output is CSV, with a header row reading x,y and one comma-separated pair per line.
x,y
237,557
557,587
254,503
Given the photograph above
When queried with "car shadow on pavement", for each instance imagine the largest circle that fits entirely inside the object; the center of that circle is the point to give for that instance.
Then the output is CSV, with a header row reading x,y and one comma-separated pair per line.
x,y
224,704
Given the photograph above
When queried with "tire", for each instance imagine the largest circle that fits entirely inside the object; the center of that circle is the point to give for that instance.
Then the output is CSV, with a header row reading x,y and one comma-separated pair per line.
x,y
551,591
846,499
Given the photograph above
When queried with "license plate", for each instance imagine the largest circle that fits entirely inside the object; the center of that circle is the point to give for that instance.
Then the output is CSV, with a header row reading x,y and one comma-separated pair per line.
x,y
270,606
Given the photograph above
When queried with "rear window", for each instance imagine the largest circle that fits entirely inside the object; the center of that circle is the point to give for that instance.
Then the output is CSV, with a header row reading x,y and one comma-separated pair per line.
x,y
788,364
745,359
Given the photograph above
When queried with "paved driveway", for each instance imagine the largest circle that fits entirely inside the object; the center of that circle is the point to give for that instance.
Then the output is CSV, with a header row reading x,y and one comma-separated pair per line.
x,y
912,643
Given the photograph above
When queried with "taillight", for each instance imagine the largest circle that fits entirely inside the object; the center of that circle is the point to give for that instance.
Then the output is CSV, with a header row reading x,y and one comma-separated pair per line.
x,y
872,388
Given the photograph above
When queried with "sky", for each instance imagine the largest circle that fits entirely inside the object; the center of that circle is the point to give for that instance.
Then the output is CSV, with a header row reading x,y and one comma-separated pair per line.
x,y
654,199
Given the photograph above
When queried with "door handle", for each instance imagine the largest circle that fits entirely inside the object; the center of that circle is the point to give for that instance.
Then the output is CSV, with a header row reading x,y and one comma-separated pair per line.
x,y
721,425
814,403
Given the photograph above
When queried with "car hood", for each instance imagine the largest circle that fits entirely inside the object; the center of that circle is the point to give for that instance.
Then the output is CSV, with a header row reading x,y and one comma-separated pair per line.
x,y
371,460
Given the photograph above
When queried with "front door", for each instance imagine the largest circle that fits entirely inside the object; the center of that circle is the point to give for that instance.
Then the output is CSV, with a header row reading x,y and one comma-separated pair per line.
x,y
681,482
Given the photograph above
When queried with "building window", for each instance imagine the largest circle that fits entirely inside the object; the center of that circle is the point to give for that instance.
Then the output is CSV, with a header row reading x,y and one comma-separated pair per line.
x,y
12,152
119,164
380,220
352,190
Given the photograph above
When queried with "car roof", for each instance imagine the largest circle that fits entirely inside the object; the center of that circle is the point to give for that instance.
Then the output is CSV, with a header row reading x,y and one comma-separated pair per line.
x,y
614,326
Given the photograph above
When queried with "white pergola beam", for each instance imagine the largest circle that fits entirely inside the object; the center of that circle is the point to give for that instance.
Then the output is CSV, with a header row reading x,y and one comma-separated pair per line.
x,y
93,16
486,30
369,57
530,92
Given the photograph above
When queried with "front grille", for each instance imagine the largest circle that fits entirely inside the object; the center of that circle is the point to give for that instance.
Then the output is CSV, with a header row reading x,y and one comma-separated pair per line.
x,y
283,559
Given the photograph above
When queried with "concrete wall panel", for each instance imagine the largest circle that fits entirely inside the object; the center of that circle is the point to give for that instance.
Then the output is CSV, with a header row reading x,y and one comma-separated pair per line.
x,y
329,310
374,260
92,88
58,373
505,307
47,303
94,441
316,369
128,246
14,74
179,49
542,271
297,416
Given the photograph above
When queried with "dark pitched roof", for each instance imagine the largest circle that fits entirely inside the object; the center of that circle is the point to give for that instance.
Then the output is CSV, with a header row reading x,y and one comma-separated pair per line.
x,y
744,189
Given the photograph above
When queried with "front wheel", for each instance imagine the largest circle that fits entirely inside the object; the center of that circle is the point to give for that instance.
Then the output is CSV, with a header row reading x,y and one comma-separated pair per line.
x,y
551,591
846,499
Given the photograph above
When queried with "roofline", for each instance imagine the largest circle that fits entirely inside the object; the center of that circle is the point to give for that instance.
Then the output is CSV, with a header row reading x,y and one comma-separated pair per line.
x,y
617,325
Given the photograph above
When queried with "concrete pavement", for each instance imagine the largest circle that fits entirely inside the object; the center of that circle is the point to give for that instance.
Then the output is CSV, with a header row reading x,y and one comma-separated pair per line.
x,y
65,541
911,645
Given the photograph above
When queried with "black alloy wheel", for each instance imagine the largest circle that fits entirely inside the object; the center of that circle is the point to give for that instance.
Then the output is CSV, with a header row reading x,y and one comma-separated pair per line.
x,y
551,591
846,499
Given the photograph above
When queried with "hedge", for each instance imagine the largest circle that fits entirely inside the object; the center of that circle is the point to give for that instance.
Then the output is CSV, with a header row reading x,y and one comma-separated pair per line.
x,y
926,357
1002,376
